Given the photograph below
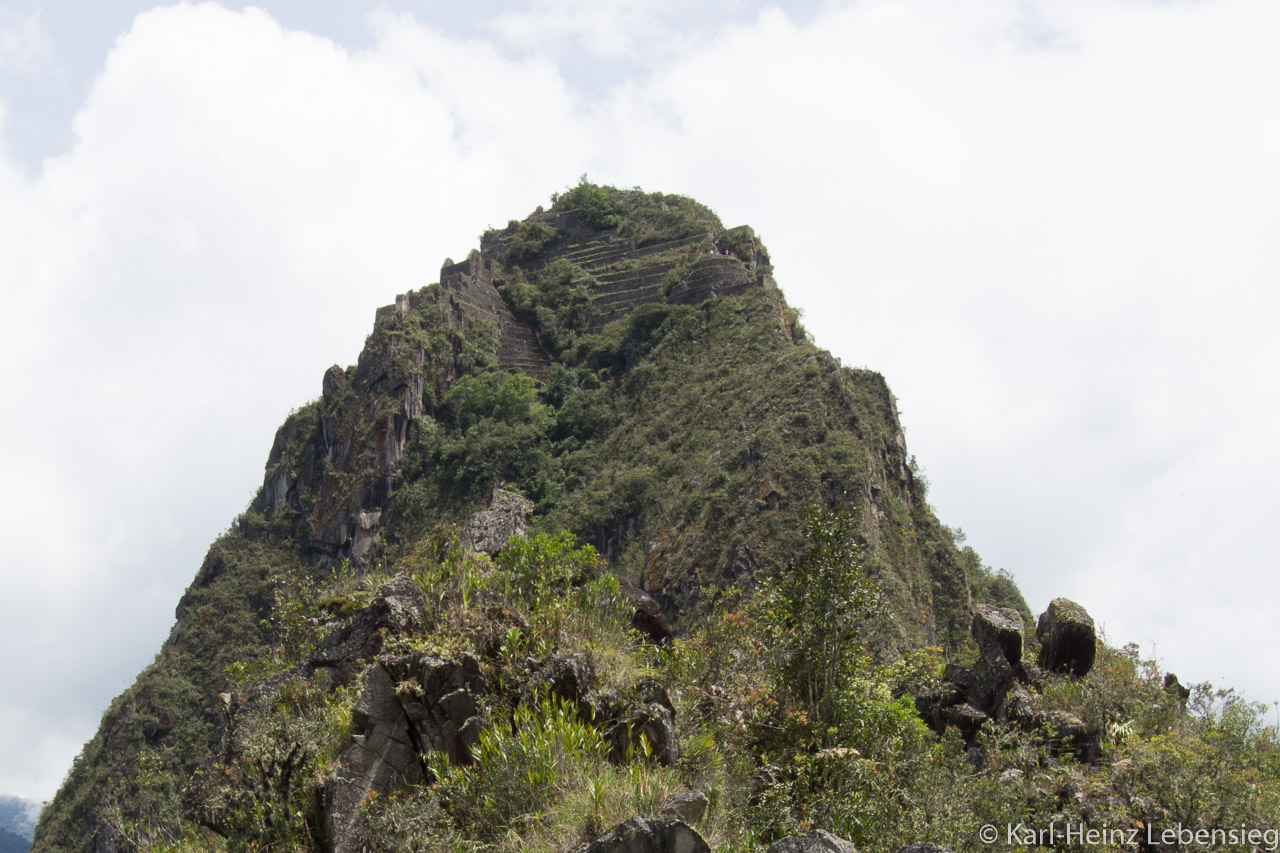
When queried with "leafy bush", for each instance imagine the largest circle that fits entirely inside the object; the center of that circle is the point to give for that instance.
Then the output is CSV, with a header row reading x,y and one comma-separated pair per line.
x,y
594,203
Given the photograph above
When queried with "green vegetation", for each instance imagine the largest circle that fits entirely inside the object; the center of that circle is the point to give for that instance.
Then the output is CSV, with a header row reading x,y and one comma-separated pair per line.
x,y
779,749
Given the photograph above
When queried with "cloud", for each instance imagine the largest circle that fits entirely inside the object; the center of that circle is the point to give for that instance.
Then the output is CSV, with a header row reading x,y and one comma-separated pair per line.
x,y
608,29
25,47
1047,225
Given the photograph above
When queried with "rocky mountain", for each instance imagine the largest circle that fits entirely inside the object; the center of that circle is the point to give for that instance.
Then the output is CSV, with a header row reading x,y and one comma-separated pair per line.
x,y
592,535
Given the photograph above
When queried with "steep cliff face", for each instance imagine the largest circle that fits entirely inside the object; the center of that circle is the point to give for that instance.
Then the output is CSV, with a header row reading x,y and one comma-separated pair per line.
x,y
625,363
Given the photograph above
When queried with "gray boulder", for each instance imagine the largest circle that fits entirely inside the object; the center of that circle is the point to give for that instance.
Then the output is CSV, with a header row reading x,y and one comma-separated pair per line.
x,y
688,806
1068,642
504,515
648,835
998,627
567,677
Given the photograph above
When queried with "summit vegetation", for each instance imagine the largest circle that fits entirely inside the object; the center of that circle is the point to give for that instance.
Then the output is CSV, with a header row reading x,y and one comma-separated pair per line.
x,y
594,536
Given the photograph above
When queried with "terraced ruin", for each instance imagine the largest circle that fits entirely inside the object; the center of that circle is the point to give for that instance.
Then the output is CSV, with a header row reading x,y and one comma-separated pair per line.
x,y
619,272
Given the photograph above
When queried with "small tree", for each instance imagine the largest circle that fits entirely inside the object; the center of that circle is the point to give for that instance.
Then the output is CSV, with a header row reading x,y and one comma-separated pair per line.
x,y
822,598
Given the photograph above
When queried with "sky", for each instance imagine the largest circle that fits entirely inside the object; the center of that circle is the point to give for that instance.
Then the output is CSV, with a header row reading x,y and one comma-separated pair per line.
x,y
1051,225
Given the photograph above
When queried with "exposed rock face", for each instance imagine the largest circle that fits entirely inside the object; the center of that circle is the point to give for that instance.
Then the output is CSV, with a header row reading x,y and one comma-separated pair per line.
x,y
649,835
1068,642
346,480
506,515
817,841
410,705
398,609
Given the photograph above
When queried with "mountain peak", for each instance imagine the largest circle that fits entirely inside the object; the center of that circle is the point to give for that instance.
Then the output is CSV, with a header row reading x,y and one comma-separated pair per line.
x,y
592,520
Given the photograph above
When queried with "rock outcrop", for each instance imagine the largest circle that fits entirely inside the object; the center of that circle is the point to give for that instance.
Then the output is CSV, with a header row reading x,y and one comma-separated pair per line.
x,y
409,706
504,515
1068,642
969,696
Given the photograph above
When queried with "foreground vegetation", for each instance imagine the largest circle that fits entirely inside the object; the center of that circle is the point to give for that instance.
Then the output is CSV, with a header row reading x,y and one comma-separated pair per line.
x,y
784,721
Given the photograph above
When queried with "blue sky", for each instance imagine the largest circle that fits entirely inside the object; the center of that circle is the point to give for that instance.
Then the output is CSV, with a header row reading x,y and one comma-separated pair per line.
x,y
1051,226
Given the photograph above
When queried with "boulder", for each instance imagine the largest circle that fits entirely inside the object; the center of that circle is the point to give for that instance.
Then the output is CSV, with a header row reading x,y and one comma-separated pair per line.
x,y
647,618
398,608
1019,704
567,677
688,806
504,515
648,835
993,676
816,841
923,847
648,730
998,627
967,718
1068,642
652,691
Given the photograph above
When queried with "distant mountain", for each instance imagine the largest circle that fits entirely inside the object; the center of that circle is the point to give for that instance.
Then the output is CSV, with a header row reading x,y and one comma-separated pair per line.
x,y
17,817
10,843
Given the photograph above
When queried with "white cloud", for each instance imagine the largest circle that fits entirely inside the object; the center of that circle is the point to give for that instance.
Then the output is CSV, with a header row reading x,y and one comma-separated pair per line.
x,y
1048,225
603,28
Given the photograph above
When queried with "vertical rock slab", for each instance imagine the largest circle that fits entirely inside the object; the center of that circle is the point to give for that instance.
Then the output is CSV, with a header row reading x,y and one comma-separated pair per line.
x,y
1068,641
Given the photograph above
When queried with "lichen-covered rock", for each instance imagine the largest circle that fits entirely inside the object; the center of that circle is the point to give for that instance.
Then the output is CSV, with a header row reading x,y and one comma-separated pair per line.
x,y
505,515
649,835
923,847
1068,642
999,627
688,806
816,841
